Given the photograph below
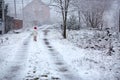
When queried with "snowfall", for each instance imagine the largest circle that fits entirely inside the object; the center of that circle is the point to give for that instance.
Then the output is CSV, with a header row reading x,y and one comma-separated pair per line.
x,y
81,56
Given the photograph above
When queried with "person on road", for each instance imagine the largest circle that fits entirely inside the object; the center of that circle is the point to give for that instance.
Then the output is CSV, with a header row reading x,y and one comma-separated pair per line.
x,y
35,33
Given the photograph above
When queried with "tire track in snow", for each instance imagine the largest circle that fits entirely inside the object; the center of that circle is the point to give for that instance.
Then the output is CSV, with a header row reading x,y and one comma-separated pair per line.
x,y
59,61
16,66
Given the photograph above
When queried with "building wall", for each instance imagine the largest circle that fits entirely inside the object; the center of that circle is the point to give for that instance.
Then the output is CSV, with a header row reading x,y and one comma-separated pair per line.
x,y
36,13
18,24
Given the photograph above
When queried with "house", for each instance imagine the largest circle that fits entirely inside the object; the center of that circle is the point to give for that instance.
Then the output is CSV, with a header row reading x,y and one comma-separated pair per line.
x,y
36,13
18,24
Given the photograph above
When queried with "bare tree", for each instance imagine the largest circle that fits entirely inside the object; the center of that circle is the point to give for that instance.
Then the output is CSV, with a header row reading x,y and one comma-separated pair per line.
x,y
78,8
94,15
91,12
63,5
94,18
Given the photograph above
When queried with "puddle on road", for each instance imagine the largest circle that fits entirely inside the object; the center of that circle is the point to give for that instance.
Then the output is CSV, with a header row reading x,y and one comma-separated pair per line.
x,y
59,62
47,43
49,46
51,49
15,68
45,39
63,69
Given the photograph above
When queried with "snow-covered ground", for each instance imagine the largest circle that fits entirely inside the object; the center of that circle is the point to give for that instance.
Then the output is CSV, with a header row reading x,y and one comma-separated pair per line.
x,y
54,58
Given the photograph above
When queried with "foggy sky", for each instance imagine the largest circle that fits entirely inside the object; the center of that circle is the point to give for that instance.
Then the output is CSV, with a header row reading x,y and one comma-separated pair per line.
x,y
11,8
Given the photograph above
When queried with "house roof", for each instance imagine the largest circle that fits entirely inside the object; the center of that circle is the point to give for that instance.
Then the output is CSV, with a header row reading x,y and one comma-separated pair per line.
x,y
37,2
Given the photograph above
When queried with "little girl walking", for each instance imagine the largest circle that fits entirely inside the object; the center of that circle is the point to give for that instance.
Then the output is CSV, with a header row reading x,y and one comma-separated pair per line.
x,y
35,33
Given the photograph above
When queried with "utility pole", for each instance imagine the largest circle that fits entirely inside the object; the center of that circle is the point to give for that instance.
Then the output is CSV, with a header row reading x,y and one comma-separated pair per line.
x,y
15,8
22,8
119,20
23,12
3,17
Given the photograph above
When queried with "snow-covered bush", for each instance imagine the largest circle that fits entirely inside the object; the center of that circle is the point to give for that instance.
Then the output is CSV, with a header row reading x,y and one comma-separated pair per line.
x,y
72,23
94,18
94,39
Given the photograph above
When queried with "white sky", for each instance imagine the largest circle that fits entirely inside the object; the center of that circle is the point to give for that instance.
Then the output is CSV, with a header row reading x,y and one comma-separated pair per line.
x,y
19,5
11,11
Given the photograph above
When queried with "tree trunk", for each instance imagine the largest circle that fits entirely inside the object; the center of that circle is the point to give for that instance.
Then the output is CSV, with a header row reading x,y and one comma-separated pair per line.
x,y
64,33
65,26
79,18
65,19
119,20
64,4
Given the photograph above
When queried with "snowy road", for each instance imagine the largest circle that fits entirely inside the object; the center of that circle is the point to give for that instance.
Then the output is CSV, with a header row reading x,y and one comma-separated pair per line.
x,y
50,58
25,59
14,63
59,61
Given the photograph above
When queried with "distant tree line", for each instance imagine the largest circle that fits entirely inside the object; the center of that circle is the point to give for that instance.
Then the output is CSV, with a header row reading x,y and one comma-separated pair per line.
x,y
2,4
88,13
7,19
